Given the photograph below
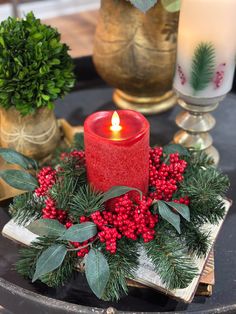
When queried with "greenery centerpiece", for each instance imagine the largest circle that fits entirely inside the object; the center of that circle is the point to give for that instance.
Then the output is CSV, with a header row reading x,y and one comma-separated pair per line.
x,y
101,234
35,69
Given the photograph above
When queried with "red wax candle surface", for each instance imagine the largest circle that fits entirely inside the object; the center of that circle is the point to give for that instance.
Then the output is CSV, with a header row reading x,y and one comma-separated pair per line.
x,y
117,157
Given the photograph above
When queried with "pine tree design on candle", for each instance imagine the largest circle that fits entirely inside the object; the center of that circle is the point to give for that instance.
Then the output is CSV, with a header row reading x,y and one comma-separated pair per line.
x,y
203,66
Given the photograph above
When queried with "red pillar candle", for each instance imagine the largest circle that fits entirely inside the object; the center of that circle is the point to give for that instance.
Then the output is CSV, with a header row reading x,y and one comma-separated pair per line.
x,y
117,152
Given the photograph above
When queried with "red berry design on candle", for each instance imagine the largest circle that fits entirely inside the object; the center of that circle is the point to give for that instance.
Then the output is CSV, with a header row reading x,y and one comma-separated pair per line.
x,y
181,75
219,75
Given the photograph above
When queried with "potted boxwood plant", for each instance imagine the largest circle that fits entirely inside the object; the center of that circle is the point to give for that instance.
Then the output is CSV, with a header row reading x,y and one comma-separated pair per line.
x,y
35,69
136,52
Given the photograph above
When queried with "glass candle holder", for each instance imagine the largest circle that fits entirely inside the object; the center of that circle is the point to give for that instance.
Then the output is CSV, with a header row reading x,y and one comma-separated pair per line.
x,y
205,67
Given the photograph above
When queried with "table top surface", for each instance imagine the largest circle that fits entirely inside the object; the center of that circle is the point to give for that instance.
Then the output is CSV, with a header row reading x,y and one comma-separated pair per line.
x,y
75,107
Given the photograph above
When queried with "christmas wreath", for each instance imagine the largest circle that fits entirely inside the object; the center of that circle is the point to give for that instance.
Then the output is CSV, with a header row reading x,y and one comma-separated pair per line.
x,y
101,234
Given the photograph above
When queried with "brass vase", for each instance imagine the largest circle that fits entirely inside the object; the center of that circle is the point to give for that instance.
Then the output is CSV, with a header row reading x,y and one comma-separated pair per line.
x,y
35,135
135,53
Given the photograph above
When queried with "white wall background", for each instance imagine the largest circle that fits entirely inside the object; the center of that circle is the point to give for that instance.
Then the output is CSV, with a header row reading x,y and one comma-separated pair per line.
x,y
50,8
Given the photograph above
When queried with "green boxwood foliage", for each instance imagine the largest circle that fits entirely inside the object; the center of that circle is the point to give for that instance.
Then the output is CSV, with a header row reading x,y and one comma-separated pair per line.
x,y
35,67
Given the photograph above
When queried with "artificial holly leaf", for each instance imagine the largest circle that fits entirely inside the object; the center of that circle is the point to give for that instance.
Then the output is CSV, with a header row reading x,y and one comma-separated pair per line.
x,y
49,260
144,6
175,148
80,232
13,157
171,5
117,191
47,227
167,214
19,179
97,272
182,209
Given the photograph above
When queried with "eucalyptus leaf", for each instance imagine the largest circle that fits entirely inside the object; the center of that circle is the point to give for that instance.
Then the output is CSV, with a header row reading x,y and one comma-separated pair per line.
x,y
182,209
171,5
117,191
49,260
144,6
167,214
97,272
47,227
13,157
20,180
80,232
175,148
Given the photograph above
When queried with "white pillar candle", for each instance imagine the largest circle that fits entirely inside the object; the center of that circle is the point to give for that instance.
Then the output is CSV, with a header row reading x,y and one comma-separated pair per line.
x,y
206,49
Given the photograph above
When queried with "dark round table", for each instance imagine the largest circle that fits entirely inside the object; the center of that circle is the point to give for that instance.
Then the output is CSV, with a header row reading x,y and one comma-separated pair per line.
x,y
19,296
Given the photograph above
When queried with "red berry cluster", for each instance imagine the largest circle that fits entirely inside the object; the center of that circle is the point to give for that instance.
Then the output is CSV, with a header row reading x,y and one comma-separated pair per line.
x,y
50,211
83,245
46,178
77,155
83,251
128,217
183,200
163,178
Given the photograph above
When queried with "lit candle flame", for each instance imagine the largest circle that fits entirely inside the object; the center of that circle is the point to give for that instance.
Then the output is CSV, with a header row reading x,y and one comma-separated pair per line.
x,y
115,121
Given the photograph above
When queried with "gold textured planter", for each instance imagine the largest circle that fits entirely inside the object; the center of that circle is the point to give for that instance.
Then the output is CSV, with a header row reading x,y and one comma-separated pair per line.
x,y
35,135
135,53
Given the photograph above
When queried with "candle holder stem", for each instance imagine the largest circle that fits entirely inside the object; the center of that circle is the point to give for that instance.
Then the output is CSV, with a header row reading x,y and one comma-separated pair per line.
x,y
195,122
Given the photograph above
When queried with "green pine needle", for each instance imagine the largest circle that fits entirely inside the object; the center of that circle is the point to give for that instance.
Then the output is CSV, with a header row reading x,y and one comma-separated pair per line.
x,y
122,265
206,183
203,66
85,202
171,261
25,208
78,141
63,191
28,259
197,241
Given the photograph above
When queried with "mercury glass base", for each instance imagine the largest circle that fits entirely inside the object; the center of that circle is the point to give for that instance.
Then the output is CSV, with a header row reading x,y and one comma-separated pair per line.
x,y
195,123
145,105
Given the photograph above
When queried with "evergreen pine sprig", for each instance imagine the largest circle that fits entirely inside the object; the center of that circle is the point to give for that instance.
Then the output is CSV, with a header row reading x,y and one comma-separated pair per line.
x,y
25,208
197,241
205,184
171,260
198,159
69,168
78,141
203,66
63,191
211,211
28,259
122,266
85,201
